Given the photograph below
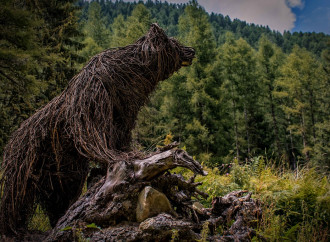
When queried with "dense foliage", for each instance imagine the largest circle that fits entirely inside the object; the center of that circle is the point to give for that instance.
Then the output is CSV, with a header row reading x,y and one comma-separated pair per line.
x,y
38,53
251,92
167,15
295,204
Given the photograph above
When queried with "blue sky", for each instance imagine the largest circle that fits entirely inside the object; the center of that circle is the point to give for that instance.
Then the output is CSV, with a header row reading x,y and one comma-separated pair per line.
x,y
292,15
314,16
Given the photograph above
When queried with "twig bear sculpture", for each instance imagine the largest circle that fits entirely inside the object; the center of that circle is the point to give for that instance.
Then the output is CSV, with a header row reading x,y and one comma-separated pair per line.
x,y
47,158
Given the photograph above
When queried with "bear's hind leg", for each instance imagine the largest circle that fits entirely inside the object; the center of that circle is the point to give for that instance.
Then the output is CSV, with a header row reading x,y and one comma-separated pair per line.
x,y
15,214
62,188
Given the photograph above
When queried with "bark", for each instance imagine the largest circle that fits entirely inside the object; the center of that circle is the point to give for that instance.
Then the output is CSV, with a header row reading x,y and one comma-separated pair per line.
x,y
107,212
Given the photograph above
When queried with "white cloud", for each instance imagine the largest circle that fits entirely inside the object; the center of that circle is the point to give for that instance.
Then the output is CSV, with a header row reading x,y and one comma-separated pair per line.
x,y
277,14
296,3
274,13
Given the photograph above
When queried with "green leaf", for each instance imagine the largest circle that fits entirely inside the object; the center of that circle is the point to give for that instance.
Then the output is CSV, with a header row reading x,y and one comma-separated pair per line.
x,y
66,228
93,226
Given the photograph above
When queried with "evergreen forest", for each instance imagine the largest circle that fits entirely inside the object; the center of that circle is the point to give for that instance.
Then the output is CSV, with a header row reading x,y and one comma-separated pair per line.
x,y
253,108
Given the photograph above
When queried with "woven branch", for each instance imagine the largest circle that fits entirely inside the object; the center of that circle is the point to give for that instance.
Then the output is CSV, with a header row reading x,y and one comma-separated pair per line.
x,y
47,158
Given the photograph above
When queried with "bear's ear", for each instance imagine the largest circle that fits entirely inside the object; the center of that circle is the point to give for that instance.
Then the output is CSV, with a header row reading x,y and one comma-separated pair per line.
x,y
155,26
156,32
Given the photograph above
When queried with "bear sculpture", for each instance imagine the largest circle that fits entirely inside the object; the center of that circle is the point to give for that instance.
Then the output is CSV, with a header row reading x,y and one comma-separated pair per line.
x,y
47,159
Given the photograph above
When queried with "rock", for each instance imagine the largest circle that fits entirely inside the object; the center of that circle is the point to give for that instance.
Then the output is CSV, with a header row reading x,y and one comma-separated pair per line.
x,y
198,207
163,226
163,222
151,203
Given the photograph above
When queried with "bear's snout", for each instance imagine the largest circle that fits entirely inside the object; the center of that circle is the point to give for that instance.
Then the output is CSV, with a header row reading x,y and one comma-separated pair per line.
x,y
188,54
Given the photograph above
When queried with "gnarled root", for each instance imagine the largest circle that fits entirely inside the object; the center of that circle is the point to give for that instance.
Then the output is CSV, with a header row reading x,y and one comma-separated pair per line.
x,y
141,200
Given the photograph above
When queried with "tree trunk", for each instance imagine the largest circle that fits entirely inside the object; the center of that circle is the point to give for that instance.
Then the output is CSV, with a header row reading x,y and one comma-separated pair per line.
x,y
311,102
247,131
140,200
292,153
303,134
236,130
272,108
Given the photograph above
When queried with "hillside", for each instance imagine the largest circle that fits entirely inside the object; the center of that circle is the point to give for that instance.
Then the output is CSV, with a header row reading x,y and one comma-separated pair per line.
x,y
167,15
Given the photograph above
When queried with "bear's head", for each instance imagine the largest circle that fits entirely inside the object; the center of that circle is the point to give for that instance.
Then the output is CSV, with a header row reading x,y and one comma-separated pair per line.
x,y
162,54
131,73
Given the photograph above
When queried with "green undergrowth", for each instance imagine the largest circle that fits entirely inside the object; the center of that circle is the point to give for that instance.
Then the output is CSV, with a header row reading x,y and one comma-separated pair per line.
x,y
39,220
295,204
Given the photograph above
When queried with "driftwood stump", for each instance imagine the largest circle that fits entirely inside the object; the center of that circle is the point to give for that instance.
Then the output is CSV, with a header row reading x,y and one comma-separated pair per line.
x,y
140,200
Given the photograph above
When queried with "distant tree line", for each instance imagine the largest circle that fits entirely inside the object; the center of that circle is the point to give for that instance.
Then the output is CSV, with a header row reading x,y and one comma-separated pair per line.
x,y
168,14
251,91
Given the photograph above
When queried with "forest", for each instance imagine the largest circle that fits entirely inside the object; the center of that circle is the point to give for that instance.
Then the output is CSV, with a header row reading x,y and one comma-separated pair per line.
x,y
253,107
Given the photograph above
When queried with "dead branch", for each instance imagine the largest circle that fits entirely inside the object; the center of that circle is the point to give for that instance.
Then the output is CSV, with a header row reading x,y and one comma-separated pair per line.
x,y
132,205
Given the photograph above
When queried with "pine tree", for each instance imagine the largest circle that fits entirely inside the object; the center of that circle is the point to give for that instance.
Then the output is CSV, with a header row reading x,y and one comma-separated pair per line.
x,y
96,33
322,141
90,49
269,59
185,105
299,86
243,93
37,54
197,107
95,27
60,34
118,32
21,58
136,25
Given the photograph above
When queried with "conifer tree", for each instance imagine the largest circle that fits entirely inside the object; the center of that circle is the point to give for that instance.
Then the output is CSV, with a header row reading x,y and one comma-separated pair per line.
x,y
119,33
90,49
300,86
322,141
96,33
239,71
125,32
60,34
185,105
21,58
136,25
95,27
197,114
269,59
38,55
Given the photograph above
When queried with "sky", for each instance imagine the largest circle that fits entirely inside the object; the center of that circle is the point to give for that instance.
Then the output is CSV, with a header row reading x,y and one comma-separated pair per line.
x,y
292,15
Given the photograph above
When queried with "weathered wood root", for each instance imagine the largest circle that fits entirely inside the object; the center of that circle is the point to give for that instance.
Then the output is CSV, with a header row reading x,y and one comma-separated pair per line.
x,y
108,211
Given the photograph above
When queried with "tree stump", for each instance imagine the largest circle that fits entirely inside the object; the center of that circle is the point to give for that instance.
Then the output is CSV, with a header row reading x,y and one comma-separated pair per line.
x,y
140,200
